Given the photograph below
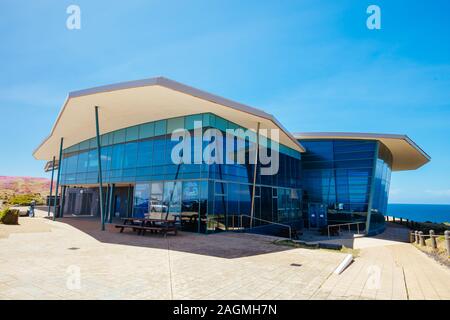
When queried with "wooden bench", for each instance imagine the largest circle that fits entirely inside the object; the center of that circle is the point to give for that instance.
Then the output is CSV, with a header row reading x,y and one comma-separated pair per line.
x,y
153,223
164,229
131,226
161,229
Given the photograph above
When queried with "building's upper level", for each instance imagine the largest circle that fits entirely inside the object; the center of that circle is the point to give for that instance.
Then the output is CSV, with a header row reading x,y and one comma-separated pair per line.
x,y
405,153
131,103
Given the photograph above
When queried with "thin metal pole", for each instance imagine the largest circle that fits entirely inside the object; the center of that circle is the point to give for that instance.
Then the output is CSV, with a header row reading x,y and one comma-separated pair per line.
x,y
111,206
252,209
63,198
51,187
99,159
57,178
128,200
106,203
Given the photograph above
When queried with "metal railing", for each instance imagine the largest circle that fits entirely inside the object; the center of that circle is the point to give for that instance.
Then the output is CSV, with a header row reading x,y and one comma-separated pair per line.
x,y
403,221
241,226
344,224
269,222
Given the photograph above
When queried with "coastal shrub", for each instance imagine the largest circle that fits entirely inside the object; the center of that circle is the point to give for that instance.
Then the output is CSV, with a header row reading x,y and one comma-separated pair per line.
x,y
425,227
9,216
25,199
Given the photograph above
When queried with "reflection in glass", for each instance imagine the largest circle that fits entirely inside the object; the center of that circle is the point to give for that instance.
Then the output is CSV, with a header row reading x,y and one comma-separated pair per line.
x,y
172,197
141,200
190,205
156,198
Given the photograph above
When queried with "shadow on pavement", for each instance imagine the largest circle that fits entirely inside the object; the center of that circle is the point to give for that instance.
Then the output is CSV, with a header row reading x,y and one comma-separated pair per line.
x,y
227,245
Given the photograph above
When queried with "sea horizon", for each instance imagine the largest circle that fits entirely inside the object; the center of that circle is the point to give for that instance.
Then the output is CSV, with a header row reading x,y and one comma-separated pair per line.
x,y
420,212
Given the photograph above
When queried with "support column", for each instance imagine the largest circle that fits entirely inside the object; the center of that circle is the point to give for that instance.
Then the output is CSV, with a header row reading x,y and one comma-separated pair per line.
x,y
55,212
110,205
99,159
63,198
128,200
255,171
51,187
106,203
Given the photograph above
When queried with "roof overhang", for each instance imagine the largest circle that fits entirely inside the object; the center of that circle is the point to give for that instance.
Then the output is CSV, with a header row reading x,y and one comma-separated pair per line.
x,y
406,154
130,103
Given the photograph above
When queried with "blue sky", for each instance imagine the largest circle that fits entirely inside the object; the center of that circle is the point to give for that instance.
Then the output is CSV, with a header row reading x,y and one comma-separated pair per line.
x,y
313,64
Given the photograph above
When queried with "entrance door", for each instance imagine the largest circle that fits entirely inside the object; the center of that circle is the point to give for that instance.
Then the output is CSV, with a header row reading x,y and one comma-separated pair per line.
x,y
86,203
317,215
117,207
120,202
72,201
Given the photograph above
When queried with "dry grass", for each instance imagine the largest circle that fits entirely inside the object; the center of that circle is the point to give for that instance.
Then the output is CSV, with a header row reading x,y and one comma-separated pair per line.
x,y
290,243
440,254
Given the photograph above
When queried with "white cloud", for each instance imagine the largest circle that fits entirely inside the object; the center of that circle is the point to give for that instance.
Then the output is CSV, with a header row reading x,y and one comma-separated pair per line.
x,y
439,192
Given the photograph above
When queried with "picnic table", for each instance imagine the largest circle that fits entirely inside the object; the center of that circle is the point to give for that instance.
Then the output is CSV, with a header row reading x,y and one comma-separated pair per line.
x,y
151,224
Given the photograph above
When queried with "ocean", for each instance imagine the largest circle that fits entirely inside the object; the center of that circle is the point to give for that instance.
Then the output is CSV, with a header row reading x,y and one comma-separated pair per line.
x,y
420,212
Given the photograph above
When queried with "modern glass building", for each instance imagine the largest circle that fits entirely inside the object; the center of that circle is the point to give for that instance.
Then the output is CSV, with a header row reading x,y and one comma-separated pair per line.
x,y
112,146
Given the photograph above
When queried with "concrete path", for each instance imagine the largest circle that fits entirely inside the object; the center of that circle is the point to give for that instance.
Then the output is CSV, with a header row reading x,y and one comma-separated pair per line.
x,y
389,268
73,259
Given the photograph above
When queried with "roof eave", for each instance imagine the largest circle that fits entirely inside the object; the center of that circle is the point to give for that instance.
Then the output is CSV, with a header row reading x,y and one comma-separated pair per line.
x,y
176,86
368,136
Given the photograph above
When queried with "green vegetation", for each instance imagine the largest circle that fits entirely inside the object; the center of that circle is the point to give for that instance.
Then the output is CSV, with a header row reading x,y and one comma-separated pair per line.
x,y
25,199
426,226
9,216
354,252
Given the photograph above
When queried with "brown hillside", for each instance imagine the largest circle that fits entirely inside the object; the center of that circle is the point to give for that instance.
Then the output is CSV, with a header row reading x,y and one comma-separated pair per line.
x,y
23,185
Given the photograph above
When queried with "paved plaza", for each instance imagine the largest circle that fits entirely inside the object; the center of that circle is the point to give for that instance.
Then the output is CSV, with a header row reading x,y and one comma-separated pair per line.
x,y
72,259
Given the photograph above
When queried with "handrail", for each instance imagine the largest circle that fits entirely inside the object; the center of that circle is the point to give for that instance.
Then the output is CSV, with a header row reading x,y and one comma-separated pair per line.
x,y
344,224
271,222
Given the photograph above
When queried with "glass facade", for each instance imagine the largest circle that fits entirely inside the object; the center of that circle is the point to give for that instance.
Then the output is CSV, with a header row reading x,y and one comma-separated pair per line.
x,y
336,180
347,177
207,197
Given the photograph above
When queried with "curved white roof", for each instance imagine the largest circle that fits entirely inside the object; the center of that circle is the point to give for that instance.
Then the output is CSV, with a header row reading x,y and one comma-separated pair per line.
x,y
130,103
406,154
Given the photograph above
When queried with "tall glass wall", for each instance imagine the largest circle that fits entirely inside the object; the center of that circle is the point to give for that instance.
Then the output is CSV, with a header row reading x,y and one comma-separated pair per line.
x,y
208,197
339,174
381,188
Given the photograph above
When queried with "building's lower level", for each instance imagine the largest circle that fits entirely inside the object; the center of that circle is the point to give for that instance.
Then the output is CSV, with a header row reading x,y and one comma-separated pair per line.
x,y
314,181
201,205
